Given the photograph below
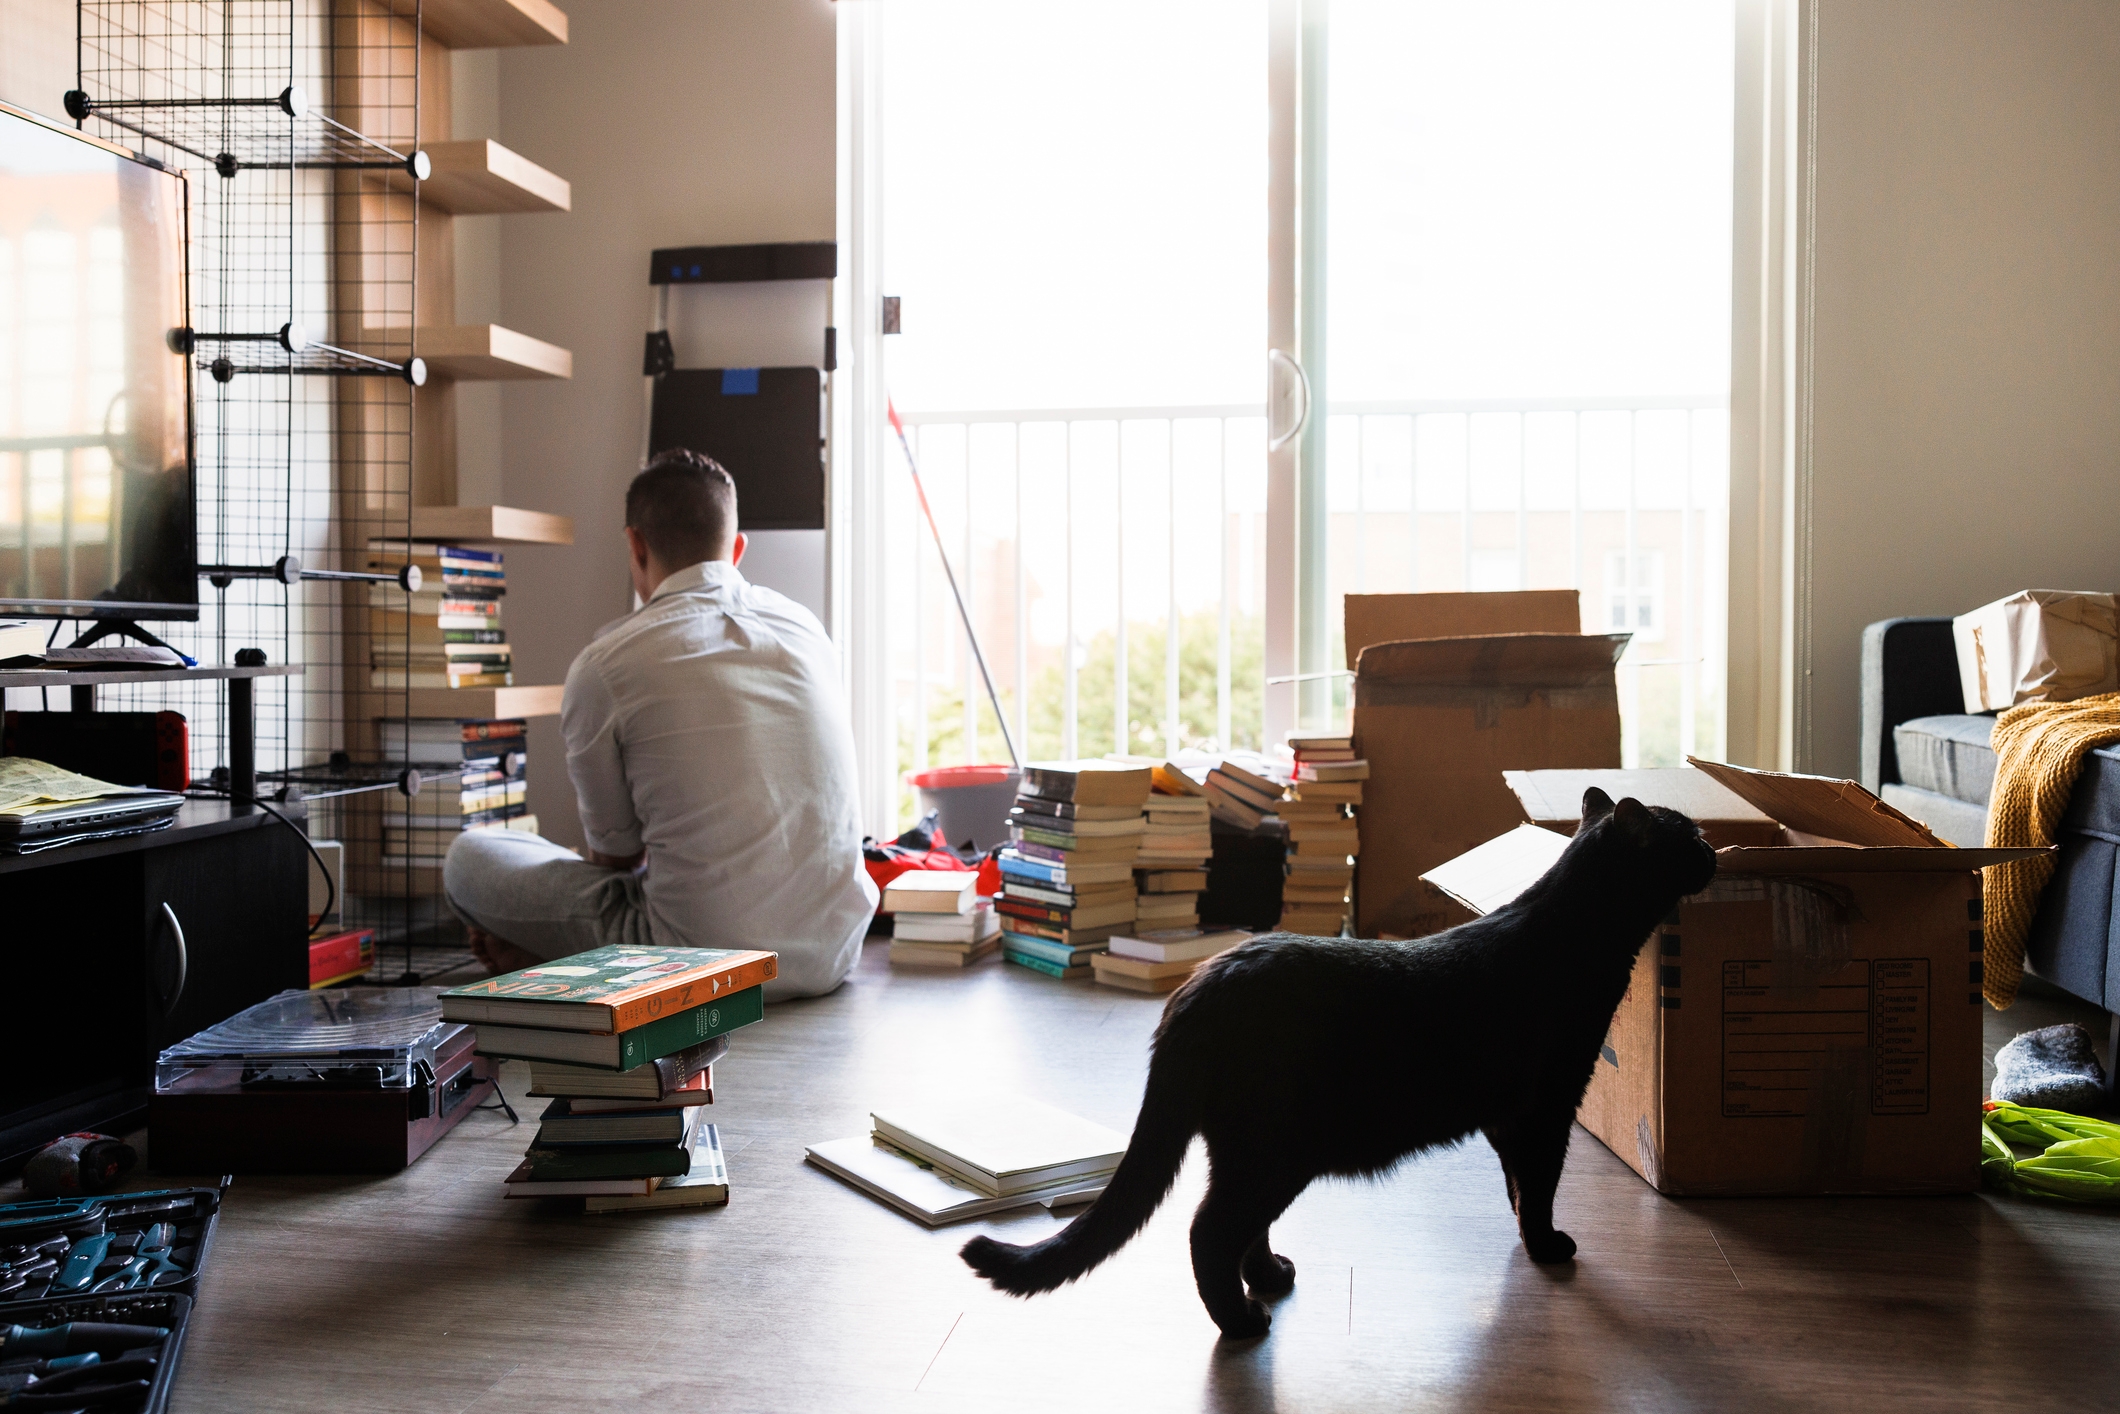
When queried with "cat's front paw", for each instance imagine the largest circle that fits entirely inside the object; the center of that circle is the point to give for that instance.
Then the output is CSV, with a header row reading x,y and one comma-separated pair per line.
x,y
1550,1247
1276,1276
1254,1321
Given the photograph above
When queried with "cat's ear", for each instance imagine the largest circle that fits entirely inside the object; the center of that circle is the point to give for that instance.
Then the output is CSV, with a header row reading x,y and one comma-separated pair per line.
x,y
1596,805
1631,813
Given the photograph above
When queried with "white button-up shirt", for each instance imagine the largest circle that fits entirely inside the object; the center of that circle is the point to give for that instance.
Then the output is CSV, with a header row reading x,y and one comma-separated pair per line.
x,y
709,728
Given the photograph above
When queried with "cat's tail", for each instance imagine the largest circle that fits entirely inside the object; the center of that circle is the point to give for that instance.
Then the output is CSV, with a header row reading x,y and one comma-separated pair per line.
x,y
1153,1156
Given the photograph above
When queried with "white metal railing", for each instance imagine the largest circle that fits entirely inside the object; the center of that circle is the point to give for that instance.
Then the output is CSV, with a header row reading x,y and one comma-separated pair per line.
x,y
1066,524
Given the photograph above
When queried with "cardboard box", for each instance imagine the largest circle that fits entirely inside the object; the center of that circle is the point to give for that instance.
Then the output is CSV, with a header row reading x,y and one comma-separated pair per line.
x,y
2038,645
1393,618
1555,799
1439,720
1810,1022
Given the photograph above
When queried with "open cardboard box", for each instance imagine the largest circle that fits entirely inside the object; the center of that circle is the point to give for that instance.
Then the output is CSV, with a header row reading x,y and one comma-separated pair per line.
x,y
1808,1023
1451,690
1555,799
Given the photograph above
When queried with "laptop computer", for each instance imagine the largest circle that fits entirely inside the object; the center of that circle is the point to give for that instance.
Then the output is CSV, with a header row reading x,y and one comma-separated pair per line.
x,y
26,832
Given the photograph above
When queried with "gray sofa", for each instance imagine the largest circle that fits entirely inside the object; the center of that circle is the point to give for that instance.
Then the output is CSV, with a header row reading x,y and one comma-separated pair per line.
x,y
1925,754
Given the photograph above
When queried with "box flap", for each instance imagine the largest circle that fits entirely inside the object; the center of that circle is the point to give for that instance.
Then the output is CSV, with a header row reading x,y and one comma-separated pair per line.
x,y
1825,807
1861,859
1556,796
1492,875
1406,672
1389,618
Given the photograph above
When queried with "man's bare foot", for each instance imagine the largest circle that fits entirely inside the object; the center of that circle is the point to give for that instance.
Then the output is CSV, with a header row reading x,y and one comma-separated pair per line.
x,y
497,954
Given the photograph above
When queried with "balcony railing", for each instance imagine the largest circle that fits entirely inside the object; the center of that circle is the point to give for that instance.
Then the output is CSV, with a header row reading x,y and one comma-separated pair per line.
x,y
1126,545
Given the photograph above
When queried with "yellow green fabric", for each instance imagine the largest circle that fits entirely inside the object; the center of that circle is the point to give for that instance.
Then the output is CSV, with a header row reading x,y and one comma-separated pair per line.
x,y
2079,1158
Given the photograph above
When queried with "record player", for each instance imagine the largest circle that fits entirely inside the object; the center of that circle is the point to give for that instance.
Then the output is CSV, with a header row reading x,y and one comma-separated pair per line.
x,y
344,1080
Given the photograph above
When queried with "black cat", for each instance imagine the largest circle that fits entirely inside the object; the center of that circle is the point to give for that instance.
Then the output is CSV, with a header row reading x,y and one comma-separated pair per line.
x,y
1301,1057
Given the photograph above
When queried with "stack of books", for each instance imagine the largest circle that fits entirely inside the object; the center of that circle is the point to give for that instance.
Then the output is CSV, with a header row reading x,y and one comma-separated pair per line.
x,y
1161,960
1171,870
1322,837
963,1158
1067,874
1241,797
483,784
938,919
623,1041
448,634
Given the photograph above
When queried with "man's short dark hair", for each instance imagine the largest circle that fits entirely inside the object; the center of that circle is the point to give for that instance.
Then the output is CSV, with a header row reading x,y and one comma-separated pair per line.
x,y
684,506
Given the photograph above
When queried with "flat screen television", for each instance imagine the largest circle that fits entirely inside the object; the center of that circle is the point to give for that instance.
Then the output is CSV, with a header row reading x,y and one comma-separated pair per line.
x,y
96,465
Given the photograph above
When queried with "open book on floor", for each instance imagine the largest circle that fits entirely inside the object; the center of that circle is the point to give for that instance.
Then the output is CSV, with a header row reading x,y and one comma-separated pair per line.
x,y
929,1194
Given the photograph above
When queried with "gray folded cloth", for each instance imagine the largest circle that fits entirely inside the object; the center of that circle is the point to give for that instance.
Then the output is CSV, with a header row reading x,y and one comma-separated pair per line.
x,y
2053,1068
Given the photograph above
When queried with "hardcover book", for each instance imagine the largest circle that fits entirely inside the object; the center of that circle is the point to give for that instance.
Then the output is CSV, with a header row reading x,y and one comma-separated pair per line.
x,y
608,990
625,1049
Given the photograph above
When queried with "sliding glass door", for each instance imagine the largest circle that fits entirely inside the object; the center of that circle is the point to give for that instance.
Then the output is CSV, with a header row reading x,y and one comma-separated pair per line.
x,y
1492,240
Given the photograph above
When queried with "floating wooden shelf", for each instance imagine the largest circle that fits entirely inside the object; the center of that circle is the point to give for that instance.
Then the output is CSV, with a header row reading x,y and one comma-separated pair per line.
x,y
491,525
486,351
482,178
483,703
493,24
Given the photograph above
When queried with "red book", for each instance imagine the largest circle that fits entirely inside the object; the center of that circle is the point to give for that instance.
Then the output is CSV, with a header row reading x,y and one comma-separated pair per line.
x,y
341,957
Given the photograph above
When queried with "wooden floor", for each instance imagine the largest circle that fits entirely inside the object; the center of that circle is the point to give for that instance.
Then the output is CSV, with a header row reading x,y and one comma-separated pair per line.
x,y
427,1292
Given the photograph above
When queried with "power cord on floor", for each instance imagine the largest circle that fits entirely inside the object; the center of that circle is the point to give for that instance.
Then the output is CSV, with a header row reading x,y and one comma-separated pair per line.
x,y
500,1102
331,898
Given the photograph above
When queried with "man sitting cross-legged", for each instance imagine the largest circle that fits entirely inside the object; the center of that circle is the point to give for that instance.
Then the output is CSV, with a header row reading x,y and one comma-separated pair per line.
x,y
708,742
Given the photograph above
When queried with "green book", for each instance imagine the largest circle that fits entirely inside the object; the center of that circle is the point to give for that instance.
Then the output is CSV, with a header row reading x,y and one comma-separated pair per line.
x,y
574,1165
1039,964
626,1049
1066,955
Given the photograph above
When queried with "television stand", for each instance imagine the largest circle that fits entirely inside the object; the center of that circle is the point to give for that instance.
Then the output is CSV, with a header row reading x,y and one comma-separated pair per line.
x,y
126,628
242,713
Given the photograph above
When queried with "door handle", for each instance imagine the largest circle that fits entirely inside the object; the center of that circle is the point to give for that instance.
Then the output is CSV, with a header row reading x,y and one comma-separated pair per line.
x,y
176,932
1282,391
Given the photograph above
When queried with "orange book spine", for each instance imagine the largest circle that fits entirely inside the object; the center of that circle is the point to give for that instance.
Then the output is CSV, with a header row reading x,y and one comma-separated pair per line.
x,y
659,1000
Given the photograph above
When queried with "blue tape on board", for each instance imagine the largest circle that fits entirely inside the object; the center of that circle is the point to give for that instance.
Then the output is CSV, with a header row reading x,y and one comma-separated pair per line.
x,y
739,382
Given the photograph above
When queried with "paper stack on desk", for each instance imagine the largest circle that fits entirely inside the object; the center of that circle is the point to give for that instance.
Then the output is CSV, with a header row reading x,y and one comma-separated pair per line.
x,y
624,1041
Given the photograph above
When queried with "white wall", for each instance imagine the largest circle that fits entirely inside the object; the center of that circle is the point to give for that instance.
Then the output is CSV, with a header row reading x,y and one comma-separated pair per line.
x,y
37,54
1966,375
679,122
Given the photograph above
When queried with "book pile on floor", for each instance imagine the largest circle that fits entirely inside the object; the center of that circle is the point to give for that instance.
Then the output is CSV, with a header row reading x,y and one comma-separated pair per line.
x,y
483,779
966,1157
1239,796
939,920
623,1042
449,633
1170,872
1067,875
1322,836
1159,960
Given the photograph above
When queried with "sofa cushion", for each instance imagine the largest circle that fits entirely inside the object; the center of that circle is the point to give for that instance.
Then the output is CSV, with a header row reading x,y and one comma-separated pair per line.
x,y
1961,822
1948,755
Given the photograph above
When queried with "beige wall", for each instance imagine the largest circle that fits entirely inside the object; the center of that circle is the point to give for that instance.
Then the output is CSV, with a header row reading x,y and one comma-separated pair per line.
x,y
679,122
1966,375
37,54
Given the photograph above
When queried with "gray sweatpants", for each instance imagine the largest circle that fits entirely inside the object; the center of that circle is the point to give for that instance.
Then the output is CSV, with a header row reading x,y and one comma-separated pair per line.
x,y
540,896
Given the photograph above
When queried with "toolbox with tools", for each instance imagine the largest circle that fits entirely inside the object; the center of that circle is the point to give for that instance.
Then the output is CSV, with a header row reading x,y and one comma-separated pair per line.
x,y
95,1294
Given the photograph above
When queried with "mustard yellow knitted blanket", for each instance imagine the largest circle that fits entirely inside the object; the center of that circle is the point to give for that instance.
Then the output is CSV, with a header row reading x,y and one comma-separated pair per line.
x,y
2039,751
